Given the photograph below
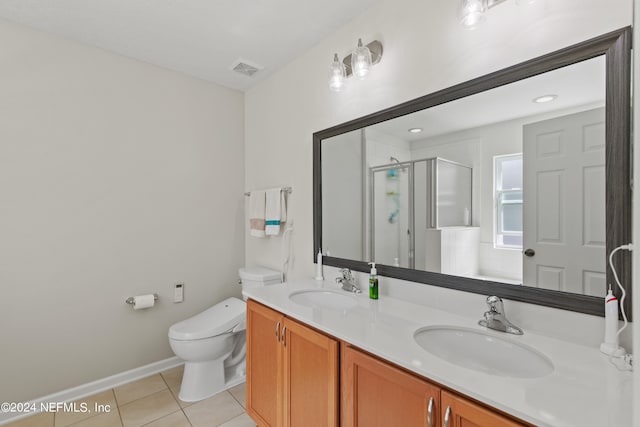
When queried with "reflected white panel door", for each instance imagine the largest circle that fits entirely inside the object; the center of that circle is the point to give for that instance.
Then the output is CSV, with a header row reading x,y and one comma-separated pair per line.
x,y
564,203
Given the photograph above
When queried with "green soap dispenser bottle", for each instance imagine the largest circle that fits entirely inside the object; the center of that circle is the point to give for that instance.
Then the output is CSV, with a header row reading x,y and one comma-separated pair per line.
x,y
373,281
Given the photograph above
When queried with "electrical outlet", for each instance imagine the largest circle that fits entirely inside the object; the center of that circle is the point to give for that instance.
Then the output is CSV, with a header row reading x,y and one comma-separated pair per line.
x,y
178,292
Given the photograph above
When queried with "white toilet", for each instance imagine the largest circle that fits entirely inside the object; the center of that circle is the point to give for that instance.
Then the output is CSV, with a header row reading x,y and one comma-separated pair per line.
x,y
213,343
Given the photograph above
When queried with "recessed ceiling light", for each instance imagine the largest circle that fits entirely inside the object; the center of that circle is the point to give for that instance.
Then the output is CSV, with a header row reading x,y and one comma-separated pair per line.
x,y
544,98
415,130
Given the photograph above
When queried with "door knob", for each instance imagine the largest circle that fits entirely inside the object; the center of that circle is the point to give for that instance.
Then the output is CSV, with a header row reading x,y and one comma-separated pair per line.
x,y
529,252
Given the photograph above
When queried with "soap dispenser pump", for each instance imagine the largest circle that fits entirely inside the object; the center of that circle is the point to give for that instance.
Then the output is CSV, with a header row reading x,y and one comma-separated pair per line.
x,y
373,281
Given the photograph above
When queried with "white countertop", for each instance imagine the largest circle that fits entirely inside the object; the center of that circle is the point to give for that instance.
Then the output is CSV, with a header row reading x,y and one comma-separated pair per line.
x,y
583,390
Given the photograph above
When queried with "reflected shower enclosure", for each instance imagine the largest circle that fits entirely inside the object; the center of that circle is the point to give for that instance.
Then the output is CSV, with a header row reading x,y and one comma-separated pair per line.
x,y
409,202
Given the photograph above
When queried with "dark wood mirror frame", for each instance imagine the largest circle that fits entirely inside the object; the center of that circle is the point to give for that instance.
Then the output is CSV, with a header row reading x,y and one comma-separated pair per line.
x,y
616,46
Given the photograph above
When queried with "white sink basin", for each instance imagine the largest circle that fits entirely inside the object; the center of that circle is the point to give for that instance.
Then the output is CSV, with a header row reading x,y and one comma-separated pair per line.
x,y
323,298
483,352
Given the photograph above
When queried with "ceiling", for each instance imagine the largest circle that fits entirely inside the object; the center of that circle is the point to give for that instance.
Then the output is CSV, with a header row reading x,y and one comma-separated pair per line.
x,y
580,84
201,38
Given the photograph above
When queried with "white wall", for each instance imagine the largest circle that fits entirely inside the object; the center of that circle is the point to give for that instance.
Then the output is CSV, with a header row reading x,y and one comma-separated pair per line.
x,y
342,187
117,178
425,50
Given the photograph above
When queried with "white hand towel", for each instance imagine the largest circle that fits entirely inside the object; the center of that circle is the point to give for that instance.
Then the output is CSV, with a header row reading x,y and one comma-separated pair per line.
x,y
283,207
275,212
256,213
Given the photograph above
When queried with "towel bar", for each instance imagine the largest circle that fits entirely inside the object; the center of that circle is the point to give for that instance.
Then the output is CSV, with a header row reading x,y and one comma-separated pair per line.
x,y
287,190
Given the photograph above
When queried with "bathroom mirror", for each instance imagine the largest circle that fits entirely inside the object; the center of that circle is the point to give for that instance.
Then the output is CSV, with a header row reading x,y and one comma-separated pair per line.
x,y
487,188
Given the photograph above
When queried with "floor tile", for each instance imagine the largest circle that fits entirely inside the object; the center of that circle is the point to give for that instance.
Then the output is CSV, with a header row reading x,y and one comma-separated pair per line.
x,y
107,419
173,376
150,402
213,411
177,419
138,389
243,420
182,403
44,419
147,409
106,399
239,392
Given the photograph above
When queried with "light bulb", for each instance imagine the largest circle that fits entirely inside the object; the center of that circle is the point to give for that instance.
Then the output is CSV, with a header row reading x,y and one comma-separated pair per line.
x,y
361,60
337,74
472,13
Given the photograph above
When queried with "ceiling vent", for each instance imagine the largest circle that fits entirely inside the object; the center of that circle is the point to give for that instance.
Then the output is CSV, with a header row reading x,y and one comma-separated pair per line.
x,y
245,67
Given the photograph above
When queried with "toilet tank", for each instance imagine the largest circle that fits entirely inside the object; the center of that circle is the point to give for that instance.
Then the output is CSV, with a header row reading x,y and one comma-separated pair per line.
x,y
251,277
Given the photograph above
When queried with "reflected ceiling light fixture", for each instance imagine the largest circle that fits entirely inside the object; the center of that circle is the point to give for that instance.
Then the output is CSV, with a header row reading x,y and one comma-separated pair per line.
x,y
473,12
415,130
337,74
544,98
357,63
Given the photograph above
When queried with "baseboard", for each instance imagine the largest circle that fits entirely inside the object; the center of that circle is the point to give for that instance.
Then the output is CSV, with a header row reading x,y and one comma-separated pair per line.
x,y
88,389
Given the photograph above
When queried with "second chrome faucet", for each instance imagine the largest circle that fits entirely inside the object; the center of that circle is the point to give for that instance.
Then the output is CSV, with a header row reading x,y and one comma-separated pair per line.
x,y
496,319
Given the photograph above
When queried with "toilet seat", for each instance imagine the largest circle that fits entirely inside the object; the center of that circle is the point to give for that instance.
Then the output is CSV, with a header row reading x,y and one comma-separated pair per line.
x,y
225,317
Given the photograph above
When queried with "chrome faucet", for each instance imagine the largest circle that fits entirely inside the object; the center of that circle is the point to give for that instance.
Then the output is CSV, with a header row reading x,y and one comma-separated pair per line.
x,y
496,319
347,281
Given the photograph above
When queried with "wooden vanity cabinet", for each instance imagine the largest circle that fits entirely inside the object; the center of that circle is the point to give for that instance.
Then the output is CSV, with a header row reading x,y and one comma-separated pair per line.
x,y
464,413
375,393
292,371
295,378
264,361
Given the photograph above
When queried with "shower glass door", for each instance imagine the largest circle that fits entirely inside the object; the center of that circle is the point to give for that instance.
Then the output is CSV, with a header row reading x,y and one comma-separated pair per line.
x,y
391,215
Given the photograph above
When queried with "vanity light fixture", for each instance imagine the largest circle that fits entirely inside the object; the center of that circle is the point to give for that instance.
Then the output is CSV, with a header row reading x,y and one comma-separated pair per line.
x,y
337,75
361,60
357,63
544,98
415,130
472,12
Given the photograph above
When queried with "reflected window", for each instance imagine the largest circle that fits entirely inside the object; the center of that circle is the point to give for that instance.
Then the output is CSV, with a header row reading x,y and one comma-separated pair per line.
x,y
508,201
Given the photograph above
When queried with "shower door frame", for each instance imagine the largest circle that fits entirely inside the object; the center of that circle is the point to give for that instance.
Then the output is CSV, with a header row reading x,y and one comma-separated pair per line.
x,y
372,235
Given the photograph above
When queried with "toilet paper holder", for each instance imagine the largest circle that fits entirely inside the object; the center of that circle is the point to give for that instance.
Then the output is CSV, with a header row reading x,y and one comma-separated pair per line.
x,y
131,300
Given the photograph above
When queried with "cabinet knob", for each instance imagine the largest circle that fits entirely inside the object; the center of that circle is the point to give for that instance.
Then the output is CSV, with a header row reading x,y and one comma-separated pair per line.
x,y
283,336
430,413
447,415
529,252
278,331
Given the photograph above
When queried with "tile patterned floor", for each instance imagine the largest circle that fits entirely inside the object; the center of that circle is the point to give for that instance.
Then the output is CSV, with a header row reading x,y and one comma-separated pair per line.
x,y
151,402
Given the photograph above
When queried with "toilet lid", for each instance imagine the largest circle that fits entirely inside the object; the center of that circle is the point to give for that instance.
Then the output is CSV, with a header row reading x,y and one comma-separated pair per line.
x,y
221,318
259,274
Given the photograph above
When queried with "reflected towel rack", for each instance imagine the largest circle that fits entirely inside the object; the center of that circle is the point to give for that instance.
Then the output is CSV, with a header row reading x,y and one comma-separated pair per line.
x,y
287,190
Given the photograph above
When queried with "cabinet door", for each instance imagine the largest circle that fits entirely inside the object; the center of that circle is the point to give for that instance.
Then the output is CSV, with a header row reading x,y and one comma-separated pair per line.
x,y
310,377
460,412
374,393
264,365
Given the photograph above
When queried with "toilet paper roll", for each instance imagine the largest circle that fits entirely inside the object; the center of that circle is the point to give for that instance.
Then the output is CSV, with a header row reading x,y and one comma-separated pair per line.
x,y
143,301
